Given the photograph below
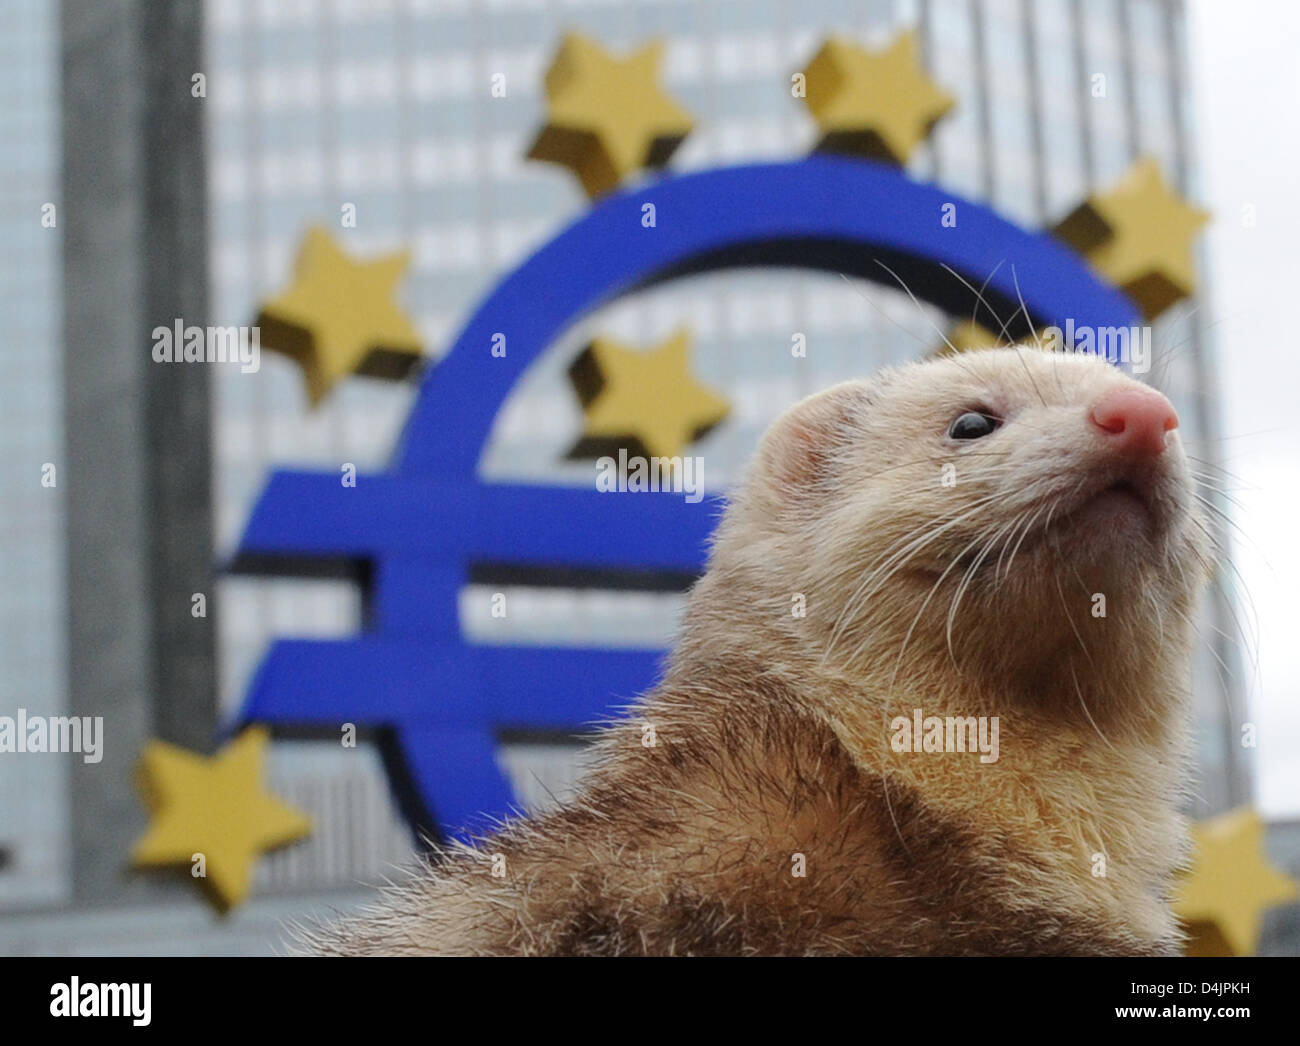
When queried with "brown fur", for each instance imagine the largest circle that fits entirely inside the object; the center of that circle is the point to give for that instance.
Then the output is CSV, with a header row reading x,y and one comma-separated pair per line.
x,y
773,731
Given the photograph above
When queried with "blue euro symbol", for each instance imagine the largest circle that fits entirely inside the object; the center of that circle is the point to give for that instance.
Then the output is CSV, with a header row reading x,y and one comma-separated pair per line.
x,y
417,533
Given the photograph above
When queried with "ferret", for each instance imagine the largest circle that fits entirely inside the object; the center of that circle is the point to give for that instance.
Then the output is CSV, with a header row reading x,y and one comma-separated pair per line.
x,y
1005,540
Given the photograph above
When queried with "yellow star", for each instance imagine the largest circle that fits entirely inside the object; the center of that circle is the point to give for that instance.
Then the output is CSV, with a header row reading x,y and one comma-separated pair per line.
x,y
340,317
607,116
216,807
1139,236
968,335
879,104
1230,884
646,402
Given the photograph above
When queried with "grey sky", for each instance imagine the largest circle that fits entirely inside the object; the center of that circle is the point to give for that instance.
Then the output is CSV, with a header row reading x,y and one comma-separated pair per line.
x,y
1247,97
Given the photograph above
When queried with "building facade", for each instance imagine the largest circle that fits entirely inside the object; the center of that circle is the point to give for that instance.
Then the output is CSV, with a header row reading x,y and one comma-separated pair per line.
x,y
385,107
34,857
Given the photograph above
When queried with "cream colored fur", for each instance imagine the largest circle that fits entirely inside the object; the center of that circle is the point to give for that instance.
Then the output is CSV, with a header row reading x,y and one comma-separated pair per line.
x,y
773,730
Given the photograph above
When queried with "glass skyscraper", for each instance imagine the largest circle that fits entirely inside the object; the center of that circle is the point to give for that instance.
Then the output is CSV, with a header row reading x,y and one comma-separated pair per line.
x,y
33,795
386,105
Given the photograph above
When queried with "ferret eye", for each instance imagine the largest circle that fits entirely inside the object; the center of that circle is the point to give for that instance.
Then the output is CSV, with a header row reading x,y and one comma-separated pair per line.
x,y
973,424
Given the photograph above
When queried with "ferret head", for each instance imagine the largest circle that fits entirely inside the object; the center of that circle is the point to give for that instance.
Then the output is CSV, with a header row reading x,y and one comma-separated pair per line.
x,y
1015,512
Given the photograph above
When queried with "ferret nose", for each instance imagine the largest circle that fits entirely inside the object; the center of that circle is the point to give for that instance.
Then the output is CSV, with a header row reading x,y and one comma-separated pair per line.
x,y
1135,420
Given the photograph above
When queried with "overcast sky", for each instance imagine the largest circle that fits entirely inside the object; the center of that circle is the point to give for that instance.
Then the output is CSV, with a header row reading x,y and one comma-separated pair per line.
x,y
1246,80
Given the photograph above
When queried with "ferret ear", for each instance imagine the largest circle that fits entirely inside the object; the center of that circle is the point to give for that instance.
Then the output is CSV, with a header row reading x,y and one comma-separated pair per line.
x,y
800,447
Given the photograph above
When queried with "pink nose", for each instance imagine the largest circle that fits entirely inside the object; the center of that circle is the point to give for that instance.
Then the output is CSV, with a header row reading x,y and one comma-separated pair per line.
x,y
1135,419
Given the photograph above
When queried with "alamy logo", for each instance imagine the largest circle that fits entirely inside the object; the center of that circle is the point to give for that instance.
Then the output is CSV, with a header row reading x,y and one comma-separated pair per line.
x,y
632,474
75,999
38,733
181,344
954,733
1131,345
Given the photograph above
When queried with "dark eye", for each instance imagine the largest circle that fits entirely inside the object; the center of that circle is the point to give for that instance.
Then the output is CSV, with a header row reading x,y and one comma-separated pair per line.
x,y
973,424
